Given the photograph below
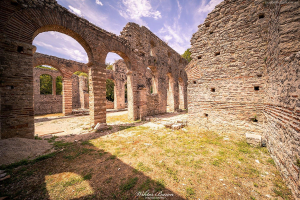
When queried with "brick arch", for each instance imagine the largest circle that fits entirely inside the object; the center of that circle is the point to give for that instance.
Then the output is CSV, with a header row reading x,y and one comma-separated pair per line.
x,y
124,53
64,66
41,19
70,33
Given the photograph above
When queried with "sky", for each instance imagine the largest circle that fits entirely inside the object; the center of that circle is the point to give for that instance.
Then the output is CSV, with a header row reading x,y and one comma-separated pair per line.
x,y
173,21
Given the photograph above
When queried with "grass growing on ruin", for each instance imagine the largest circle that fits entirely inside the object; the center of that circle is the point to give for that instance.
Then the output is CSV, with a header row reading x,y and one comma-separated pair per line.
x,y
191,164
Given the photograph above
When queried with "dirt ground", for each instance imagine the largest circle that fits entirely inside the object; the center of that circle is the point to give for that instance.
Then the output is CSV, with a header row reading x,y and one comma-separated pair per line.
x,y
131,160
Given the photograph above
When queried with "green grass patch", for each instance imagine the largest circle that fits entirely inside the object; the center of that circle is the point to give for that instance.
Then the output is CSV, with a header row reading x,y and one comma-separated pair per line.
x,y
190,192
143,167
87,142
129,184
87,176
61,144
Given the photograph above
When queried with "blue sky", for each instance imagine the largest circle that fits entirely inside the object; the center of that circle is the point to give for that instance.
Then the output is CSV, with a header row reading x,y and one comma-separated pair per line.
x,y
174,21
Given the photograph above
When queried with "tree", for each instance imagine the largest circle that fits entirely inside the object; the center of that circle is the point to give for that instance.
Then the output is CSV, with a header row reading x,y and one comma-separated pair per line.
x,y
187,55
109,66
59,85
45,84
110,89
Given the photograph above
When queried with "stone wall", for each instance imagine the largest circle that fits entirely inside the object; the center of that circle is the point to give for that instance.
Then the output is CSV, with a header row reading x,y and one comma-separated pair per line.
x,y
52,103
152,104
46,103
22,20
226,74
245,66
282,102
163,62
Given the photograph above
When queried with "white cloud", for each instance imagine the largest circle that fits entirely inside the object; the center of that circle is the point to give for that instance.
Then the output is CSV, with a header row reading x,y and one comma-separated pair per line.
x,y
167,37
179,9
99,3
75,11
205,8
136,9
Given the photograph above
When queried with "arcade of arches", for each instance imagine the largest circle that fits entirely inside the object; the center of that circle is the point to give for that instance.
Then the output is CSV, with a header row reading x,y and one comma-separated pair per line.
x,y
138,47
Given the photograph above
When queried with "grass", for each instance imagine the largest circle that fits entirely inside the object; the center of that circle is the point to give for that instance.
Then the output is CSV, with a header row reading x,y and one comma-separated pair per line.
x,y
119,164
129,184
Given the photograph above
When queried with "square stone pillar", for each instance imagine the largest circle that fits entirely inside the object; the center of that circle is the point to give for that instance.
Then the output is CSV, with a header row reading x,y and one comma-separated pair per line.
x,y
16,89
97,94
119,95
67,95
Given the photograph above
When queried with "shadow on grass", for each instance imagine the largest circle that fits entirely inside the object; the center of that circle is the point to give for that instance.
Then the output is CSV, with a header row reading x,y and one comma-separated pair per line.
x,y
80,171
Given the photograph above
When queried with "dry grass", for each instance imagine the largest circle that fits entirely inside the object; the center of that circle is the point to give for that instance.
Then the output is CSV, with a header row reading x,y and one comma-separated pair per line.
x,y
189,165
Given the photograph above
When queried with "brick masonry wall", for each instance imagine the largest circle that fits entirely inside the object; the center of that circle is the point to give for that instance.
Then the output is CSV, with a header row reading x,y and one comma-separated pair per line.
x,y
152,102
52,103
163,61
282,102
228,61
22,20
258,45
46,103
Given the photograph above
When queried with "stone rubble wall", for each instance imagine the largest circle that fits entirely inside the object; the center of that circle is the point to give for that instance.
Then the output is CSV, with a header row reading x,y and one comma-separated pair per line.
x,y
240,46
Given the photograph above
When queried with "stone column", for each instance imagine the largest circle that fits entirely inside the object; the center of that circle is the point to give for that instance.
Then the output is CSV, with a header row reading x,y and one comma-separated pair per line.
x,y
82,90
170,94
54,85
176,95
97,94
181,95
131,97
16,89
67,95
119,95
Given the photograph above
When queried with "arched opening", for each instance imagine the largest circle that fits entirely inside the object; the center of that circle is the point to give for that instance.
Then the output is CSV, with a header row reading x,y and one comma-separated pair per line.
x,y
45,84
80,92
152,46
117,107
154,80
170,93
69,87
110,90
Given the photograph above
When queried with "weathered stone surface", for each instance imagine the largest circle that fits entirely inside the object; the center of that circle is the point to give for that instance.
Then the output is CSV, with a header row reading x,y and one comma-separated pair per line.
x,y
244,76
23,20
253,139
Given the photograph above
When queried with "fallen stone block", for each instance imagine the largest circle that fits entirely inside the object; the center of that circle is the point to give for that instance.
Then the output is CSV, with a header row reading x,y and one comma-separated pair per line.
x,y
253,140
177,126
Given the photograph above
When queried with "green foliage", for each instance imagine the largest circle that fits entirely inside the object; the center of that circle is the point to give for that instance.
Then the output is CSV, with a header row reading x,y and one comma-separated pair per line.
x,y
187,55
59,85
44,67
109,66
110,89
79,73
45,84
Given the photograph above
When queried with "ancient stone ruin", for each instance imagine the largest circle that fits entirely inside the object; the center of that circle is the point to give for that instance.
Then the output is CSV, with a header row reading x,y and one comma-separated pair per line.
x,y
21,21
244,76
